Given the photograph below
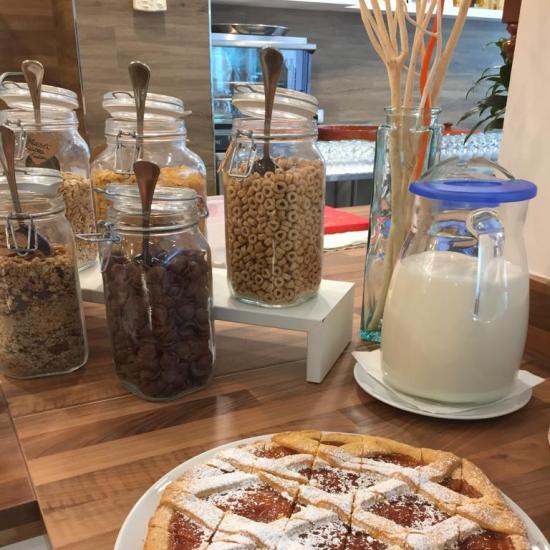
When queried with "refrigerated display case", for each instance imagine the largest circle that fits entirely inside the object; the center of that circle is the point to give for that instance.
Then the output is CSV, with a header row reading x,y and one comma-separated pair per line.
x,y
235,59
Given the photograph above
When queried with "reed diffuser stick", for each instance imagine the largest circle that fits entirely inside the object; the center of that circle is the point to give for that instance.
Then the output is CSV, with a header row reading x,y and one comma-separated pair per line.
x,y
425,69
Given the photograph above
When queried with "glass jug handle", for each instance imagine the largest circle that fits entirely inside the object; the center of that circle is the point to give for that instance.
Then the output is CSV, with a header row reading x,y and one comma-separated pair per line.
x,y
486,226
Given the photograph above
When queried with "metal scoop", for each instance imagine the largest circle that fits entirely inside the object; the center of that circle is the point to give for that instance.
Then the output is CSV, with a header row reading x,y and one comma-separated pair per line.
x,y
147,174
272,64
33,71
140,74
22,238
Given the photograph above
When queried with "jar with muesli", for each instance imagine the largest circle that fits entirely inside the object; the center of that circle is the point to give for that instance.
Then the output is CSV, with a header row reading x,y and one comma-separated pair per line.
x,y
159,302
164,142
274,221
41,319
54,142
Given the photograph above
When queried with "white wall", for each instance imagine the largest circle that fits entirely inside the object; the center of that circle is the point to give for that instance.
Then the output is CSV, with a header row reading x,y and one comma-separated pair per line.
x,y
526,142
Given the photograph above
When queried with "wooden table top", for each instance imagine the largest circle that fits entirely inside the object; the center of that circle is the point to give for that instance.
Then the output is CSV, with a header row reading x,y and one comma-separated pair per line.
x,y
92,449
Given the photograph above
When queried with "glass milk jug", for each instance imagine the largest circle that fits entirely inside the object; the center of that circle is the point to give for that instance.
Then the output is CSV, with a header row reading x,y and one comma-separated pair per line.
x,y
456,314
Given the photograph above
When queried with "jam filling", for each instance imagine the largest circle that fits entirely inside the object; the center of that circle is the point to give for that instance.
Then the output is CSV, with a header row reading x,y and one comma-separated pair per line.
x,y
396,458
486,540
274,451
337,481
358,540
409,510
460,486
328,536
258,502
185,534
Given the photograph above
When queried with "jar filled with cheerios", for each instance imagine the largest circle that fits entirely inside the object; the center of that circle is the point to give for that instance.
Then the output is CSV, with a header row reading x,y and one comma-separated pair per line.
x,y
274,220
164,142
53,142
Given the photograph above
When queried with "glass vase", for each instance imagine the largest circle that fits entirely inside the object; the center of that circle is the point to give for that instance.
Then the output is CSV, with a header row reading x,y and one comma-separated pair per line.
x,y
406,145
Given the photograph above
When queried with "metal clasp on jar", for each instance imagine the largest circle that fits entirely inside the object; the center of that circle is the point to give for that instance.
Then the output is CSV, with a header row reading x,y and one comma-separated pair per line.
x,y
239,158
104,237
14,224
107,235
20,137
137,148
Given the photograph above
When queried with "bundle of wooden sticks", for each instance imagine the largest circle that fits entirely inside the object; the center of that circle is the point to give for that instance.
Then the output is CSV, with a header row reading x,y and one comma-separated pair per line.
x,y
416,66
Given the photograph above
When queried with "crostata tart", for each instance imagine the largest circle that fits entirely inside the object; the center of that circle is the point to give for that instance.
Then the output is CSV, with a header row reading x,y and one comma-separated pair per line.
x,y
332,491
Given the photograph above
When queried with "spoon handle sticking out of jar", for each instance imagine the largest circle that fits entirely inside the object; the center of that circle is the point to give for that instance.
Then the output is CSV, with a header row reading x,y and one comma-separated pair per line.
x,y
140,74
25,237
272,64
33,71
147,174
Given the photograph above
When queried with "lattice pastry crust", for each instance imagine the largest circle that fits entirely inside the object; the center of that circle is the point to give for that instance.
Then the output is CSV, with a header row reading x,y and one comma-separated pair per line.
x,y
333,491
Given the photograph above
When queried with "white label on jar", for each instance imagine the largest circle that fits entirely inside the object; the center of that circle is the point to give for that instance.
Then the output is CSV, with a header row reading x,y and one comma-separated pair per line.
x,y
41,147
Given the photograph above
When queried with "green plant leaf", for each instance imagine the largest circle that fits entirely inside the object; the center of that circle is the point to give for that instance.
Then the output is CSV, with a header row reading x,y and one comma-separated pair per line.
x,y
468,114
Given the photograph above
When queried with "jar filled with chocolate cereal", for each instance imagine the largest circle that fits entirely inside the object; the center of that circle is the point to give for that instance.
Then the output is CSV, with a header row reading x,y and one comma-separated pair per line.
x,y
42,329
164,142
159,297
274,220
54,142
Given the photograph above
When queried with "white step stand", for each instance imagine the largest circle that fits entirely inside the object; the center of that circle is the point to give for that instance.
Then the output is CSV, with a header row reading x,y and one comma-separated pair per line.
x,y
327,318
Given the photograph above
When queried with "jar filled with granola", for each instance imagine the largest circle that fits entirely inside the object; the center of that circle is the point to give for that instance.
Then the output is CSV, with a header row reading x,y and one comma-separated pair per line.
x,y
164,142
158,293
54,142
274,221
41,320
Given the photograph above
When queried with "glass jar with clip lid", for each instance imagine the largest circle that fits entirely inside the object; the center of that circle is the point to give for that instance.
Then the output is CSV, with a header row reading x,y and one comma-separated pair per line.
x,y
164,142
42,328
157,280
52,140
274,218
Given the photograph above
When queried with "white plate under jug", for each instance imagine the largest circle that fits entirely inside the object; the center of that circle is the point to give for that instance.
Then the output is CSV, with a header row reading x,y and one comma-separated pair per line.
x,y
456,315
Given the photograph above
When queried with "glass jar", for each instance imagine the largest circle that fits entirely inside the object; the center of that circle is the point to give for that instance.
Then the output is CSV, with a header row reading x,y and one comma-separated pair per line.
x,y
406,144
456,314
55,143
164,142
159,307
274,222
41,320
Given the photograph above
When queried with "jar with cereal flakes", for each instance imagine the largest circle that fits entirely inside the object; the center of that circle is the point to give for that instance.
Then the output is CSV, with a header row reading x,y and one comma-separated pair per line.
x,y
164,142
54,142
42,330
274,221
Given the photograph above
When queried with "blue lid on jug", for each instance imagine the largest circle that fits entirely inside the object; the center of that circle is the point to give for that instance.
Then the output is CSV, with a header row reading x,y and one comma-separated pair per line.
x,y
461,193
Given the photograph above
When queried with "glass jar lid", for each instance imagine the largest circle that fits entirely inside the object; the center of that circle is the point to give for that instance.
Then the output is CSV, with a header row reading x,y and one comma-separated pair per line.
x,y
39,192
281,128
475,191
120,104
16,95
23,118
288,104
41,182
166,200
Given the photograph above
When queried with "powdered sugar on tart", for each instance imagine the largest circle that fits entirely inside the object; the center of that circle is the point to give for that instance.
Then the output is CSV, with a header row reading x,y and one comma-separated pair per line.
x,y
332,491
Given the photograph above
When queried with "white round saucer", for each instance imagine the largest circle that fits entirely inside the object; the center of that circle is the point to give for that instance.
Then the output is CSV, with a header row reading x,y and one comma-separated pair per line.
x,y
491,410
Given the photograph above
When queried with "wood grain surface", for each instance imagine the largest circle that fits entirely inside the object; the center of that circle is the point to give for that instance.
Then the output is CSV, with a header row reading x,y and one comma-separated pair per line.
x,y
19,514
175,44
92,449
43,30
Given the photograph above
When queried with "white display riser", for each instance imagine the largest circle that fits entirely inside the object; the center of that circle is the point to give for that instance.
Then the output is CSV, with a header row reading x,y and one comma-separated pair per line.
x,y
327,319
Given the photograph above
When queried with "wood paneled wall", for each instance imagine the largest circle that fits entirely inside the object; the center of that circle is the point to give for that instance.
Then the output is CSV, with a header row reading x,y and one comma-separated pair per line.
x,y
349,79
43,30
175,44
538,337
